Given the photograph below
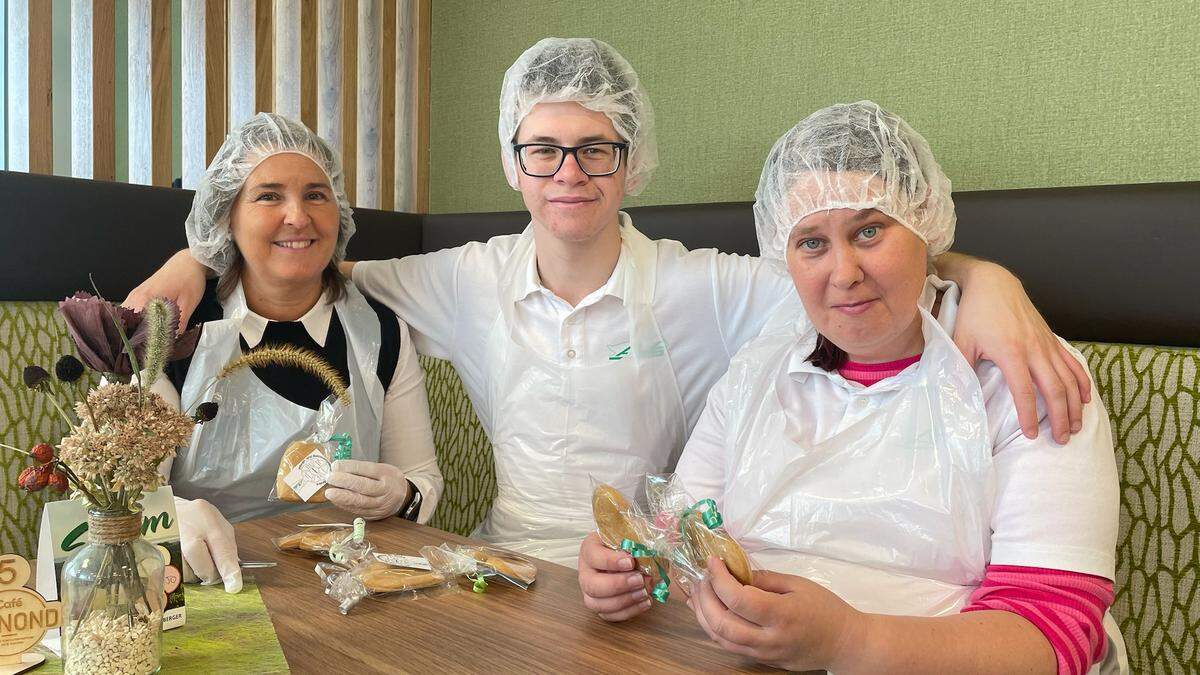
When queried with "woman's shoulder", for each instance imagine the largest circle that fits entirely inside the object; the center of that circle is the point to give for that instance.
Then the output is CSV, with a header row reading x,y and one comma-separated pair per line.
x,y
390,336
1002,410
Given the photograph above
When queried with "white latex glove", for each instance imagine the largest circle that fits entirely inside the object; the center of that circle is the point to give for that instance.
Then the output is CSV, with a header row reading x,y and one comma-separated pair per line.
x,y
208,544
372,490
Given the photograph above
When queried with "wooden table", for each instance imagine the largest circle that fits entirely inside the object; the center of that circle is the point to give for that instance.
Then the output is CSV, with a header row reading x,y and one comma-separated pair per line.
x,y
543,629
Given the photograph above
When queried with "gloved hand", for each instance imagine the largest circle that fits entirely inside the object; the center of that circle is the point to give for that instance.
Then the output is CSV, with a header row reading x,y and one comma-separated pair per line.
x,y
208,544
372,490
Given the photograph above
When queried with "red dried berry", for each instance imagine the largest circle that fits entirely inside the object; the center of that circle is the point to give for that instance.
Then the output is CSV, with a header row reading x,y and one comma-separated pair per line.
x,y
29,478
43,452
43,475
58,482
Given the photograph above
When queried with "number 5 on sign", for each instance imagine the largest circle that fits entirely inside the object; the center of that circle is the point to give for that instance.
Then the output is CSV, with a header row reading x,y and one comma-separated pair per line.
x,y
24,616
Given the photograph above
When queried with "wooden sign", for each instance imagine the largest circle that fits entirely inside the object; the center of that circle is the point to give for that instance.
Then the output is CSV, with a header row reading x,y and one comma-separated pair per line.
x,y
24,616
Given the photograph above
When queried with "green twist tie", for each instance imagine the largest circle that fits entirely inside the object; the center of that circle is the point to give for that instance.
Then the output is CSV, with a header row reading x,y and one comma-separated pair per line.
x,y
662,589
479,584
339,549
344,445
710,515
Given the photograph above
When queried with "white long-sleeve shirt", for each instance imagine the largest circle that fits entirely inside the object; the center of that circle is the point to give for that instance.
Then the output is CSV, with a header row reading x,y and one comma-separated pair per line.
x,y
406,434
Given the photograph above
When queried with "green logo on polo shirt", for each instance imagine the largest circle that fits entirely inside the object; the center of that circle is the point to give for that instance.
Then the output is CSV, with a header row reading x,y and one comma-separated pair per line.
x,y
619,351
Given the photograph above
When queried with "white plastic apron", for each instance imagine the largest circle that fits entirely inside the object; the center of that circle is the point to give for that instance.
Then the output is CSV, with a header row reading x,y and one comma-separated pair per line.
x,y
232,460
555,426
881,494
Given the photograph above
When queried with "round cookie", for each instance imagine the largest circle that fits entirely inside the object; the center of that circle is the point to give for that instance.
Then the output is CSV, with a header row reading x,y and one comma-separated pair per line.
x,y
292,456
704,542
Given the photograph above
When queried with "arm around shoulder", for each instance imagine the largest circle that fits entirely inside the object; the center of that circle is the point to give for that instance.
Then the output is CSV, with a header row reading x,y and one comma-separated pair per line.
x,y
181,279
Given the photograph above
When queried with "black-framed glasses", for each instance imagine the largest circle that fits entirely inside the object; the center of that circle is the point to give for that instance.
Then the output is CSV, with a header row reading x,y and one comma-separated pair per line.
x,y
542,160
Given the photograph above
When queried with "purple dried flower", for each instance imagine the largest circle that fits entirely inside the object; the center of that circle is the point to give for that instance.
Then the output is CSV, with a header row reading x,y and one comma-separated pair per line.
x,y
68,369
35,376
96,336
205,411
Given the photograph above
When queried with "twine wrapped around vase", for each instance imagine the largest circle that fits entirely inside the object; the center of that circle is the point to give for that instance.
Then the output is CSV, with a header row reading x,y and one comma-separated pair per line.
x,y
114,528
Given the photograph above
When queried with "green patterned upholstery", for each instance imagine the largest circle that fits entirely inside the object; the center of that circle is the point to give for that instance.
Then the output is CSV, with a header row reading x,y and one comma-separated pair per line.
x,y
31,333
1152,395
463,451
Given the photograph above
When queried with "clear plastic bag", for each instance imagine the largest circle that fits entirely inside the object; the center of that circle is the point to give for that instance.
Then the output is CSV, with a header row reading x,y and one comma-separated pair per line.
x,y
315,539
367,573
306,463
621,525
690,532
487,562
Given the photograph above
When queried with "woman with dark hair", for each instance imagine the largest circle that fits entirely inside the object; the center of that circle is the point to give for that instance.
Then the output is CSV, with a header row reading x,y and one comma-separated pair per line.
x,y
272,218
900,520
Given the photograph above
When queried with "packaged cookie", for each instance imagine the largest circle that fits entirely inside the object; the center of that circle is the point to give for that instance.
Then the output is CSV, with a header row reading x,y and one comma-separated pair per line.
x,y
306,462
693,533
391,577
514,568
621,525
314,539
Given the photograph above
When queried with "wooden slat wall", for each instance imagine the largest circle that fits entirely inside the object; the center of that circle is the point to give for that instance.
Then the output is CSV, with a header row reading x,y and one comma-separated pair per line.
x,y
387,107
140,107
216,82
367,132
17,78
160,92
41,94
329,71
264,56
4,97
81,88
104,115
92,123
241,60
192,94
287,58
350,69
406,108
349,91
424,16
308,63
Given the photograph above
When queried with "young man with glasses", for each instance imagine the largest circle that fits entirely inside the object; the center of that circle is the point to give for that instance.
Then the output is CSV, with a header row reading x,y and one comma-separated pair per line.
x,y
588,349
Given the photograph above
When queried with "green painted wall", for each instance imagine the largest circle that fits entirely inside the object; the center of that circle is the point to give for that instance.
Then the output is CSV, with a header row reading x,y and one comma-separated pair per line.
x,y
1013,94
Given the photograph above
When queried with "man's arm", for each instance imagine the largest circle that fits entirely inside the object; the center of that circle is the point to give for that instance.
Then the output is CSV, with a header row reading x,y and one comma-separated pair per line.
x,y
180,279
997,322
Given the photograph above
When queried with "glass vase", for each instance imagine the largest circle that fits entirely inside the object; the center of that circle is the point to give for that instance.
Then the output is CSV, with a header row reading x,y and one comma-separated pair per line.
x,y
112,599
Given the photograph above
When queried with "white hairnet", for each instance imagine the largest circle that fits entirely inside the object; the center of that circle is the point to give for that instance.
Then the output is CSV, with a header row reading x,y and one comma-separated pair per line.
x,y
258,138
588,72
853,156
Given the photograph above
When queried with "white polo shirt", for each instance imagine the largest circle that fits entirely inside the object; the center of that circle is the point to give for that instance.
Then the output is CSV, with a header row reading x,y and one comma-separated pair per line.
x,y
706,303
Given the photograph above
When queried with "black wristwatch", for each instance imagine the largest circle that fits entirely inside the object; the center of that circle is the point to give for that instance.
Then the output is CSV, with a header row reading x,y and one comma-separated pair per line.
x,y
412,509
